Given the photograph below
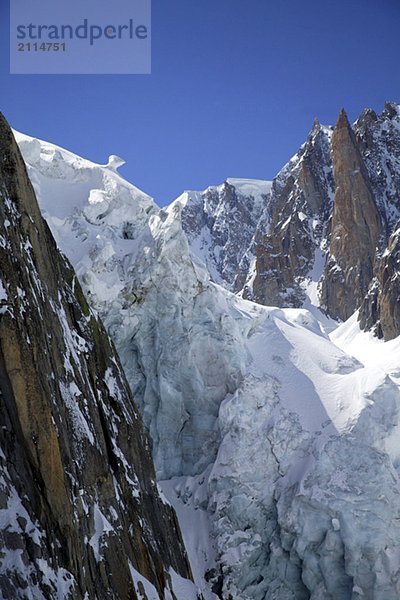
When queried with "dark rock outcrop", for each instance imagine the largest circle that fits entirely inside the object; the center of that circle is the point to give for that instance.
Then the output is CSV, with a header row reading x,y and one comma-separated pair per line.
x,y
220,222
378,139
80,510
299,210
380,309
355,227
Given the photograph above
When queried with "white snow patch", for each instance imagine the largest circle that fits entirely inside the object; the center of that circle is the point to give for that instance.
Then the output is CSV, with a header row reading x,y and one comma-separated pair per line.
x,y
143,585
102,528
194,521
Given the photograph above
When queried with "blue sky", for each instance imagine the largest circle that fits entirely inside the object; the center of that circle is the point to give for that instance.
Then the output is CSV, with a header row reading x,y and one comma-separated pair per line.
x,y
235,86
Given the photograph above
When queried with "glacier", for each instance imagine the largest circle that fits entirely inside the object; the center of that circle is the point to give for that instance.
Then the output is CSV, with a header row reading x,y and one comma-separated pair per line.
x,y
274,432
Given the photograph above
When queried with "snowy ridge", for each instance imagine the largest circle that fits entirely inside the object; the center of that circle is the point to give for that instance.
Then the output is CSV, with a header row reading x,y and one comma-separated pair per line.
x,y
252,188
285,442
102,207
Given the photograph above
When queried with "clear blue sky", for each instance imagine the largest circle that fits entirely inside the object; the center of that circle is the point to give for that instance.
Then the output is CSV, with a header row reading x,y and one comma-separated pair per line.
x,y
235,87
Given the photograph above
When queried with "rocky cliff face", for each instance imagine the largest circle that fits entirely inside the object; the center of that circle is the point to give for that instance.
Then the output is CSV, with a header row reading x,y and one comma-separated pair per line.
x,y
220,224
316,235
380,309
355,228
378,139
300,204
263,239
81,516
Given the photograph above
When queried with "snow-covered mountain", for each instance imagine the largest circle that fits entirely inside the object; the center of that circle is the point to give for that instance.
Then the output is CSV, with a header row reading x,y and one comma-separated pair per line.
x,y
276,234
276,442
320,232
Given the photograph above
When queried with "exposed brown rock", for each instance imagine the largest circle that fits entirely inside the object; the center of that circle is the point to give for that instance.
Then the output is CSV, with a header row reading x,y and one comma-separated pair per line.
x,y
300,210
281,259
355,228
378,138
381,308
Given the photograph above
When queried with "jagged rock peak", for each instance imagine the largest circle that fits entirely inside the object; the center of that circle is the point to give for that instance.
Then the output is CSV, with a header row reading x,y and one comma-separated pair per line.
x,y
220,221
391,110
355,227
299,207
380,310
368,115
343,120
287,250
316,126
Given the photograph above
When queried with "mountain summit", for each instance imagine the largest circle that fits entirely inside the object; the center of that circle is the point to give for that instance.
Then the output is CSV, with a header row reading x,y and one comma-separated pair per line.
x,y
319,236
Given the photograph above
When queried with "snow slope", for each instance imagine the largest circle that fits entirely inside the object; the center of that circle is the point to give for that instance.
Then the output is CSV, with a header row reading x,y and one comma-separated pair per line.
x,y
277,443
